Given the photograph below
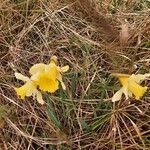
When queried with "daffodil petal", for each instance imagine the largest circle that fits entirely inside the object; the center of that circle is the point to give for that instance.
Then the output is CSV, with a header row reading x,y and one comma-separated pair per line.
x,y
63,85
37,68
52,70
59,77
31,88
21,92
65,68
139,77
21,77
147,75
35,77
117,95
125,91
39,97
26,90
53,59
130,94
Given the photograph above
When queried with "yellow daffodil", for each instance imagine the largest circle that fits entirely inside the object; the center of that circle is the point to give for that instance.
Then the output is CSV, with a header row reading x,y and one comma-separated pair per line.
x,y
28,89
47,77
130,86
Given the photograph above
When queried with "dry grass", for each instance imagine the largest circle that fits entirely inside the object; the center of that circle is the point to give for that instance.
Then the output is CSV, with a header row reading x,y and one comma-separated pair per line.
x,y
94,38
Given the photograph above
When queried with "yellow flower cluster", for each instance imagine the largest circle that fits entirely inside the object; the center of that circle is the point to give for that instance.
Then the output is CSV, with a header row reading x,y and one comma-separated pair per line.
x,y
46,77
130,86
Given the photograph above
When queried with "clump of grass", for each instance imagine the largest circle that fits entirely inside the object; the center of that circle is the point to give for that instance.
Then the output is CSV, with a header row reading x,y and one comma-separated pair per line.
x,y
83,117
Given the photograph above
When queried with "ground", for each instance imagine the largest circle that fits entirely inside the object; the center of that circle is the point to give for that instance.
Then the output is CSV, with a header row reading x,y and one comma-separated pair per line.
x,y
95,38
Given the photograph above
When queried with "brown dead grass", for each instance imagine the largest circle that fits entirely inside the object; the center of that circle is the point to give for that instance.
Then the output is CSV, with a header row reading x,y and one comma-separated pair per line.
x,y
93,41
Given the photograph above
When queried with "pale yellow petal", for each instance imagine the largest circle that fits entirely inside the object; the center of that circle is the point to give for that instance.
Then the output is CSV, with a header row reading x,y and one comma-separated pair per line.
x,y
53,59
139,77
21,77
65,68
63,85
117,95
147,75
35,76
52,70
130,94
37,68
126,91
39,97
31,88
59,77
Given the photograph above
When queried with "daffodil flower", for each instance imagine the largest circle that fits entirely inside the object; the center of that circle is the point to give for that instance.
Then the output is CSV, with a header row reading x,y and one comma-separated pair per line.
x,y
28,89
130,86
47,77
43,76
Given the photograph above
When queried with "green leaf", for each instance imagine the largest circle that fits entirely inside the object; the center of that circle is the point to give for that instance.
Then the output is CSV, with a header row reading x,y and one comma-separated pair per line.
x,y
51,113
85,125
101,120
